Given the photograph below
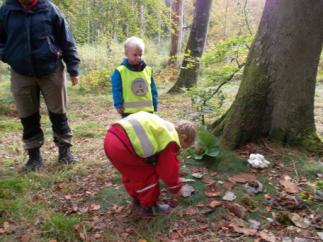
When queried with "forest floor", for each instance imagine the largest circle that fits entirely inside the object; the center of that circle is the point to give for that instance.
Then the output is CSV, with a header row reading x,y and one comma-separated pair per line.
x,y
87,202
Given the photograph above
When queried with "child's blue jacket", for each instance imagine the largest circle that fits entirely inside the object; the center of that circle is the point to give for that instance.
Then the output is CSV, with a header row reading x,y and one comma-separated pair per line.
x,y
117,86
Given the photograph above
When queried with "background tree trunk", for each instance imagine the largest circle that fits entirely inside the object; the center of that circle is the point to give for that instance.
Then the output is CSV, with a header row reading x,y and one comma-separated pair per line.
x,y
142,20
195,46
176,32
276,96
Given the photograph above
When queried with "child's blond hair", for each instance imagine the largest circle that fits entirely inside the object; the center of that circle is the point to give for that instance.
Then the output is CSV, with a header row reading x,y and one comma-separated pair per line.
x,y
134,42
188,128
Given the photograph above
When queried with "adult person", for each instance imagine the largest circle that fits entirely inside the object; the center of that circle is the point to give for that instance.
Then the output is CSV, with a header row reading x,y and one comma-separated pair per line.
x,y
34,39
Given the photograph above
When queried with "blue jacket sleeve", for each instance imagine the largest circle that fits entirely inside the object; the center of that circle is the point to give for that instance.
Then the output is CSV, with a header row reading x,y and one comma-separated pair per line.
x,y
2,36
66,42
117,89
154,94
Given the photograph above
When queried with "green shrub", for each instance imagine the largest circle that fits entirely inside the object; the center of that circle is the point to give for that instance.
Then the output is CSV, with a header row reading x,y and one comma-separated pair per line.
x,y
97,81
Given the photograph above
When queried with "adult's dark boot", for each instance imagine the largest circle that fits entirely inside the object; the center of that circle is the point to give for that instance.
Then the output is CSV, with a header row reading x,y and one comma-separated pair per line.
x,y
65,155
34,162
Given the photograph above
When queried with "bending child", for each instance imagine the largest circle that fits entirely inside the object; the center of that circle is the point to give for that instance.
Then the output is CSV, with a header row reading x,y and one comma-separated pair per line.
x,y
143,147
133,86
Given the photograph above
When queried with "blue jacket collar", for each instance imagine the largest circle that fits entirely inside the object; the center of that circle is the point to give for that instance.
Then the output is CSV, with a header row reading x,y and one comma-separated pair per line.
x,y
131,67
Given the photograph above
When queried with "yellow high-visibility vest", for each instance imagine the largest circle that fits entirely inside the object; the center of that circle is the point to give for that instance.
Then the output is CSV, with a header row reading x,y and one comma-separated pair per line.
x,y
148,133
136,90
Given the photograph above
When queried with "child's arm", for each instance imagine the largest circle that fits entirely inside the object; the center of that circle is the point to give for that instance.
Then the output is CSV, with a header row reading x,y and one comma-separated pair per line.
x,y
154,94
167,167
117,91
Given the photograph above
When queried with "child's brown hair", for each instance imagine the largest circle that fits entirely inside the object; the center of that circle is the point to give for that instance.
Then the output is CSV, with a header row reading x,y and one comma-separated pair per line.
x,y
187,128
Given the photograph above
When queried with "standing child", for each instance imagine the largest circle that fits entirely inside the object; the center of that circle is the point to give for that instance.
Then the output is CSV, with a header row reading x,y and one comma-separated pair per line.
x,y
133,86
143,147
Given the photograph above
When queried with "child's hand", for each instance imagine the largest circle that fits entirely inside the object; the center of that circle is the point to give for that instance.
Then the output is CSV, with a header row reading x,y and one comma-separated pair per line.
x,y
120,110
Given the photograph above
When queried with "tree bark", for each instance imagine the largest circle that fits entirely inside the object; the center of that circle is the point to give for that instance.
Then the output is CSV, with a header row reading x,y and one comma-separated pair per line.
x,y
195,46
142,20
176,32
276,96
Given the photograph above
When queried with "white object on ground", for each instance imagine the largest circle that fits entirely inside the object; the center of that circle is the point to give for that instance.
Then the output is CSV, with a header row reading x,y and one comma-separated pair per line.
x,y
187,190
197,175
258,161
229,196
187,180
254,224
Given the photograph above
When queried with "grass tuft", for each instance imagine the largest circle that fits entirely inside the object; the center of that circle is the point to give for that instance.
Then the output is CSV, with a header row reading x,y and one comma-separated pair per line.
x,y
61,227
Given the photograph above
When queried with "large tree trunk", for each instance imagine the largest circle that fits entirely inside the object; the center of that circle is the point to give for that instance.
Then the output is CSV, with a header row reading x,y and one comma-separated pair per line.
x,y
176,32
276,96
195,46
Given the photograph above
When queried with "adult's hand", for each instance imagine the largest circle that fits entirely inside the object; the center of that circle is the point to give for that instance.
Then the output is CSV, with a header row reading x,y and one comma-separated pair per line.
x,y
74,80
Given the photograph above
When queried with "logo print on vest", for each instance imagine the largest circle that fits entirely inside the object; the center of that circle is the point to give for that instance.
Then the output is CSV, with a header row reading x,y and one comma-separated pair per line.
x,y
139,87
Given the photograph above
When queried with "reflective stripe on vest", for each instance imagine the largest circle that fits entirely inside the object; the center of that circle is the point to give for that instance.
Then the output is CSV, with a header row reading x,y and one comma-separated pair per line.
x,y
148,133
137,104
169,126
144,140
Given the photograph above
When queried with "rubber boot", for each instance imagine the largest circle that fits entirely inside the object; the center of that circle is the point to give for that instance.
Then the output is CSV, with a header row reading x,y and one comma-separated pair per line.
x,y
34,162
65,155
162,208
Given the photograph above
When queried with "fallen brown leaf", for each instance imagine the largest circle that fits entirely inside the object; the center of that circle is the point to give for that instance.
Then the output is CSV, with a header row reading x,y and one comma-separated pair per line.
x,y
206,211
228,185
26,238
288,202
97,236
243,177
215,203
6,226
267,236
243,230
191,211
298,220
82,236
212,192
289,186
117,209
94,207
59,186
208,181
200,205
175,236
267,196
219,225
236,209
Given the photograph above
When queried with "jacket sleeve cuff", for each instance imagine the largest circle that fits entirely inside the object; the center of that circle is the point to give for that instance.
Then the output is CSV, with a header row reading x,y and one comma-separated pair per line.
x,y
118,106
73,70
